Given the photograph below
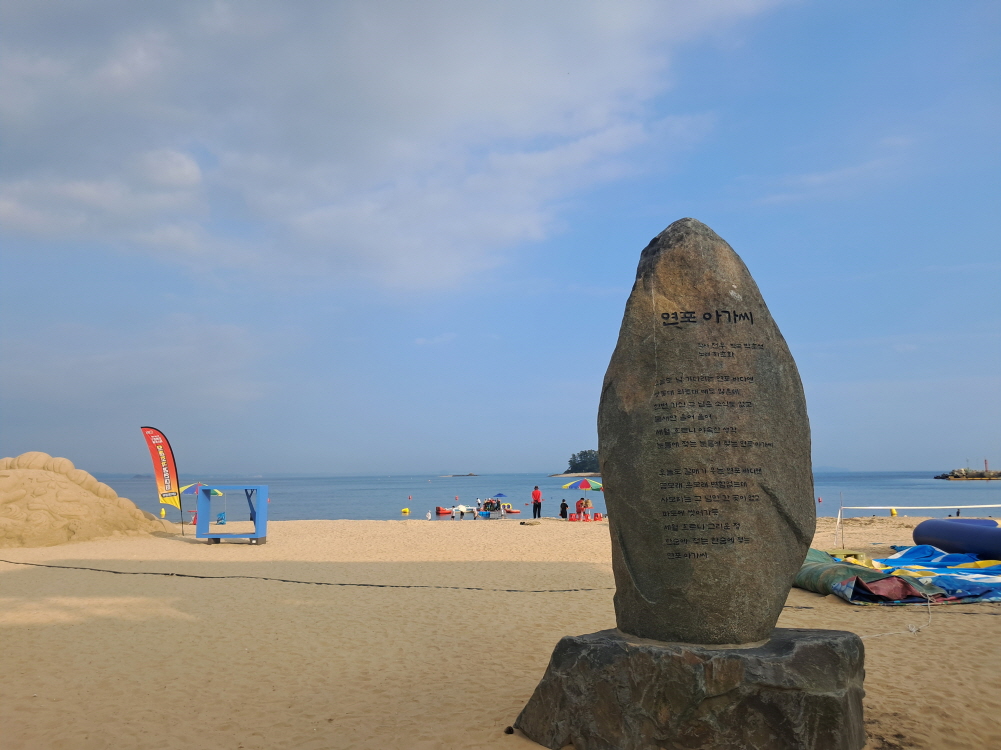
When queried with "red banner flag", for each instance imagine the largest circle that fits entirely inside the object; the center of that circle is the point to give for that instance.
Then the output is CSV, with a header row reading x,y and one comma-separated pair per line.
x,y
164,469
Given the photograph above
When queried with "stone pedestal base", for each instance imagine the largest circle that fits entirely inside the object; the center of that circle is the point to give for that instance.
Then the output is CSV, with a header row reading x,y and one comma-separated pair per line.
x,y
610,691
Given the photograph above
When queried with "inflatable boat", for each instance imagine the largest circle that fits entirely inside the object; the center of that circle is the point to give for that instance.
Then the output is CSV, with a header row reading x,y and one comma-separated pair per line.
x,y
978,536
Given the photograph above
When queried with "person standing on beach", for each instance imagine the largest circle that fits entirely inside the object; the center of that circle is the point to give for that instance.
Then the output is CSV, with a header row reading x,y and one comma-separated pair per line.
x,y
536,502
563,509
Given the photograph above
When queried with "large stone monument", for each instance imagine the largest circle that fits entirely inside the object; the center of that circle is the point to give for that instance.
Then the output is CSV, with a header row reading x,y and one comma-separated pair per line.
x,y
705,456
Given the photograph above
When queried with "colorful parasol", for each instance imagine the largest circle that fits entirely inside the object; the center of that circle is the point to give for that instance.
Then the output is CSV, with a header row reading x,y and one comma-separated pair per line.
x,y
186,489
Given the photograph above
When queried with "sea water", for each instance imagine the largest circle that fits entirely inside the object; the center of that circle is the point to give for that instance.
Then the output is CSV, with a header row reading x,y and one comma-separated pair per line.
x,y
384,497
368,497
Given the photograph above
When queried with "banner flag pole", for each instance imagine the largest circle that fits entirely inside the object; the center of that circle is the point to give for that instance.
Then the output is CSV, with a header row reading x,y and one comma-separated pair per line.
x,y
164,469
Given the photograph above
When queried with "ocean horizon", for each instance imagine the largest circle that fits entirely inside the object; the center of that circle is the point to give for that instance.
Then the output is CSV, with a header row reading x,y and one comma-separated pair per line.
x,y
305,497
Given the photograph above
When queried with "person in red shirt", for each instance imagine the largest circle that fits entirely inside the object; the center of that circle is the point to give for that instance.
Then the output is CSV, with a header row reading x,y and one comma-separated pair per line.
x,y
536,502
581,505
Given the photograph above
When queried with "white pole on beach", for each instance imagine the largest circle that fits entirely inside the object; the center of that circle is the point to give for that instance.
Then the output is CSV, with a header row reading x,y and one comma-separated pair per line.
x,y
841,505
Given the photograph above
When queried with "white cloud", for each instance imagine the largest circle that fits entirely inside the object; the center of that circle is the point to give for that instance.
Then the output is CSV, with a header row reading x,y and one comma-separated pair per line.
x,y
105,209
406,142
171,169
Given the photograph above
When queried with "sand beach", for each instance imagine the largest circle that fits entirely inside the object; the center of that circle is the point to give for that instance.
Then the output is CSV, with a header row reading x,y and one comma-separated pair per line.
x,y
434,637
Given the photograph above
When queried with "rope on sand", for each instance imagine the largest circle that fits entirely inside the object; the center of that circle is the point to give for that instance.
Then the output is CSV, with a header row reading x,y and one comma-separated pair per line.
x,y
310,583
911,629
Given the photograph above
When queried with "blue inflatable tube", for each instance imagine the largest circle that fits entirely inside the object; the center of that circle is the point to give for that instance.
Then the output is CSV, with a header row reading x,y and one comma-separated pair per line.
x,y
979,536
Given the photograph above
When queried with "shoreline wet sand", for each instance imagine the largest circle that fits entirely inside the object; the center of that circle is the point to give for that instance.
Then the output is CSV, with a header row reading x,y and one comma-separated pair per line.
x,y
398,634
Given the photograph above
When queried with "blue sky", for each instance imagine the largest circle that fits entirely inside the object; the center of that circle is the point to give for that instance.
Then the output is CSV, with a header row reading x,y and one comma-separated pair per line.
x,y
382,237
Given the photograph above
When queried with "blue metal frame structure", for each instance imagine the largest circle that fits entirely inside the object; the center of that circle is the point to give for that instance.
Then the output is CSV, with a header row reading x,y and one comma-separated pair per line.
x,y
257,498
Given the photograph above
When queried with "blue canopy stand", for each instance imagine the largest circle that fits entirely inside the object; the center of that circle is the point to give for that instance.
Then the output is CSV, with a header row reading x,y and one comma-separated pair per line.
x,y
257,499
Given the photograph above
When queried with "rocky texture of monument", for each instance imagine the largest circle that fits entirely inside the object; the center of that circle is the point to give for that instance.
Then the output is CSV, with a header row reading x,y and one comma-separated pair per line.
x,y
607,691
705,449
46,501
705,455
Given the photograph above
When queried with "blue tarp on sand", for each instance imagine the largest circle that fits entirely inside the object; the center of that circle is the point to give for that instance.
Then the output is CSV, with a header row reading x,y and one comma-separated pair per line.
x,y
915,575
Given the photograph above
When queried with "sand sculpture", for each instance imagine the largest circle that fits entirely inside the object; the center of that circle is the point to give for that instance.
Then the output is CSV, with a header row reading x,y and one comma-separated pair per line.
x,y
46,501
705,451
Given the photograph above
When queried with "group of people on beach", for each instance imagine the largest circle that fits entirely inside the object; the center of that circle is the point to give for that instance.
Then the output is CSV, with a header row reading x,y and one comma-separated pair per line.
x,y
582,506
494,504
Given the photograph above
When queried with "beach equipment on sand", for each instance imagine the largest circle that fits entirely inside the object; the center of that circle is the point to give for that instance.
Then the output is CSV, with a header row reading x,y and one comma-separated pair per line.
x,y
192,489
584,484
258,512
841,509
506,507
916,575
979,536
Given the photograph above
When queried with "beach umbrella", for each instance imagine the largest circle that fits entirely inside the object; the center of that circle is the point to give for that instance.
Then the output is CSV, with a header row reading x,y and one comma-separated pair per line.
x,y
186,489
583,484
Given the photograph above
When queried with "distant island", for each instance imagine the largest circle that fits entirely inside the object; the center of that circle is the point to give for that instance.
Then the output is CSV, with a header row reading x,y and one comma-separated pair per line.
x,y
445,476
971,474
583,464
142,476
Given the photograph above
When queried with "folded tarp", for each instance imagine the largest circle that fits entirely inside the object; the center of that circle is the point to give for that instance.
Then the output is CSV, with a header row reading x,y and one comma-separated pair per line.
x,y
965,577
856,584
915,575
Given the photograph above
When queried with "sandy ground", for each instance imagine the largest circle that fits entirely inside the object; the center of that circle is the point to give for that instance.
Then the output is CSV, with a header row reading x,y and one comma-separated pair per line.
x,y
96,660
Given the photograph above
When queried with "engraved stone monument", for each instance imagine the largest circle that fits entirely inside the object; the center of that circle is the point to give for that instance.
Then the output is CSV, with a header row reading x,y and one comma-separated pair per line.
x,y
705,448
705,455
